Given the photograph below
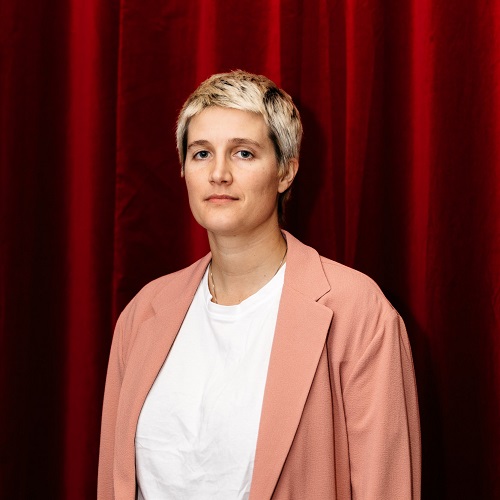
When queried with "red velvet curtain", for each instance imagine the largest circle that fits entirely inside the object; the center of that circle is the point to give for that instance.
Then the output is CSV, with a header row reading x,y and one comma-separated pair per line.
x,y
399,177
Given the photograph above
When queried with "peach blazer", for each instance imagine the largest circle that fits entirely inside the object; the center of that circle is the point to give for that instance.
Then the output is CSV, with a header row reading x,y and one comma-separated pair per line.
x,y
340,414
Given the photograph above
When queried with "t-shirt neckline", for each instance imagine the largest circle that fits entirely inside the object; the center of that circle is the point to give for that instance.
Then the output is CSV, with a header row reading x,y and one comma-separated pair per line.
x,y
255,300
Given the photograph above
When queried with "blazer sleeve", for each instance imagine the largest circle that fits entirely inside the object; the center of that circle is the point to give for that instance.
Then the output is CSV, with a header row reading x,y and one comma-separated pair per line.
x,y
381,411
105,489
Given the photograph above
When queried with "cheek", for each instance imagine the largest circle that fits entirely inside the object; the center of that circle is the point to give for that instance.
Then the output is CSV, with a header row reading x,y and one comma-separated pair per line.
x,y
265,193
192,196
267,185
190,185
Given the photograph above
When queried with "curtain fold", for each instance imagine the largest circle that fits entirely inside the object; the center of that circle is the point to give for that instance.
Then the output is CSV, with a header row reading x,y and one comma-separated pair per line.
x,y
399,178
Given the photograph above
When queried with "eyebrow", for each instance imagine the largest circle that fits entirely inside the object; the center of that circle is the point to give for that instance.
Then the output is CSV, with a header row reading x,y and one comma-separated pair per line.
x,y
236,141
201,142
239,140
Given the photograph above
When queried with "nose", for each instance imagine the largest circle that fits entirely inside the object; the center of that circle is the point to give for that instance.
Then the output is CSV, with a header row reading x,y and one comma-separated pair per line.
x,y
221,170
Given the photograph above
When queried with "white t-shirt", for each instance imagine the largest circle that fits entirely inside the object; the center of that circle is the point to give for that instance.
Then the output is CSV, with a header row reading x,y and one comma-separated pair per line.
x,y
197,432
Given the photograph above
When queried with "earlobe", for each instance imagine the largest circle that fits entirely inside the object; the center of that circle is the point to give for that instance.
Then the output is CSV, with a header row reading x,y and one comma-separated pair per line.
x,y
289,175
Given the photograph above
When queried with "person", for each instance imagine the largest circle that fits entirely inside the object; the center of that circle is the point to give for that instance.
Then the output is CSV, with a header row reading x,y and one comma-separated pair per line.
x,y
263,370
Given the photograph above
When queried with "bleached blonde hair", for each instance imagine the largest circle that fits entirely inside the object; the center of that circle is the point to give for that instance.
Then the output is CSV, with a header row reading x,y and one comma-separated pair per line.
x,y
248,92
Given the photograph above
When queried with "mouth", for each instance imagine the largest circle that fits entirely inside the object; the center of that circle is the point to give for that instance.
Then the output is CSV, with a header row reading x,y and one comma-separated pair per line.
x,y
221,198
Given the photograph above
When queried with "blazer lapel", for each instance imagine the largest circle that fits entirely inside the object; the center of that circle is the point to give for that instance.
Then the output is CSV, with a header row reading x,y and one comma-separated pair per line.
x,y
157,335
299,339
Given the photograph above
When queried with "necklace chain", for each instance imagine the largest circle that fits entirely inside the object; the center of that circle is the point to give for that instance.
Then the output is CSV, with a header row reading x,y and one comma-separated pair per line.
x,y
214,294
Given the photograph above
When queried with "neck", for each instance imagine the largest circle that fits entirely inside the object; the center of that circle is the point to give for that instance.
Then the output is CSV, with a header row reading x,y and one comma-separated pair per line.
x,y
241,265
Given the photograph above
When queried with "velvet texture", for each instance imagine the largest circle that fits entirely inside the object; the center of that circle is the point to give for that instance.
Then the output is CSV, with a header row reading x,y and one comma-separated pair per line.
x,y
399,178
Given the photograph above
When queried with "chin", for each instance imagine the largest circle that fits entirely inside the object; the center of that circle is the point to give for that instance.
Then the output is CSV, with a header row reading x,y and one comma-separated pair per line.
x,y
224,229
231,224
220,226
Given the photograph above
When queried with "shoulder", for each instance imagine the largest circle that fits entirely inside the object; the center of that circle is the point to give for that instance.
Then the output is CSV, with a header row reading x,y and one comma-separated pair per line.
x,y
355,299
166,288
349,286
360,311
336,285
362,315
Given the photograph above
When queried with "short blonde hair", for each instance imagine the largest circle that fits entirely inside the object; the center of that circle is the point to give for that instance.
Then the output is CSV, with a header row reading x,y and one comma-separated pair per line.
x,y
248,92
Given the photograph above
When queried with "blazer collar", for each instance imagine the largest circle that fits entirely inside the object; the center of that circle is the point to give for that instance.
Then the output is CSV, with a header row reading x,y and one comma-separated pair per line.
x,y
181,287
157,335
299,339
304,273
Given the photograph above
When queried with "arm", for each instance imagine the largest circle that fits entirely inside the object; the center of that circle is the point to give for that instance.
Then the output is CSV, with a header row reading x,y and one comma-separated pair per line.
x,y
105,490
381,411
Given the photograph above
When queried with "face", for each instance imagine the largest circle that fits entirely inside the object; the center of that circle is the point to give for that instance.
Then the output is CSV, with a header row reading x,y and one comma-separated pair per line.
x,y
231,172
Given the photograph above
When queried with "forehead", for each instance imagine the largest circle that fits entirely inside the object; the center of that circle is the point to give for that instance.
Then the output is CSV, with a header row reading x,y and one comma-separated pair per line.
x,y
216,123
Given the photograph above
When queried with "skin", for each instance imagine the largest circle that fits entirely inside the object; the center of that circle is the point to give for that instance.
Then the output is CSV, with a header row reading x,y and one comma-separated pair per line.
x,y
231,174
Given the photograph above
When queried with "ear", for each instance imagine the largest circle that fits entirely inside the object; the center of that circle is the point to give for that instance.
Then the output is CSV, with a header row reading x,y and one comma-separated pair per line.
x,y
288,176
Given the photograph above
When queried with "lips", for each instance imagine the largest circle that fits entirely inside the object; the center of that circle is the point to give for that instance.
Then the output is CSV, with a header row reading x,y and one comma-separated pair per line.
x,y
221,197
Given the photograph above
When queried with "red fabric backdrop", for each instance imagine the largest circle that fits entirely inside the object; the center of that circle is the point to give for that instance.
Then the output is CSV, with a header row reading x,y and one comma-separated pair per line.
x,y
400,178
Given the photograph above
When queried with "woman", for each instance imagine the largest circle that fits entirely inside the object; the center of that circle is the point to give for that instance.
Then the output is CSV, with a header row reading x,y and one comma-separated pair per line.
x,y
263,370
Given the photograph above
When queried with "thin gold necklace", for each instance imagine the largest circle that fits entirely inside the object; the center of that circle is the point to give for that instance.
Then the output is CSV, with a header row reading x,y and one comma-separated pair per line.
x,y
214,295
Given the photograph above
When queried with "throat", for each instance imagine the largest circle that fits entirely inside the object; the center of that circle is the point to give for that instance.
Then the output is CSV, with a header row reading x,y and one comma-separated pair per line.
x,y
231,289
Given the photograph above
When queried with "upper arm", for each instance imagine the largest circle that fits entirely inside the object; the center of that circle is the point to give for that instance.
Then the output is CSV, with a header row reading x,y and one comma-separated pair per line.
x,y
111,397
381,411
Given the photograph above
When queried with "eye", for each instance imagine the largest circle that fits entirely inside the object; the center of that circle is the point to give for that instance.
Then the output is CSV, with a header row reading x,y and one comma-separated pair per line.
x,y
244,154
201,155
